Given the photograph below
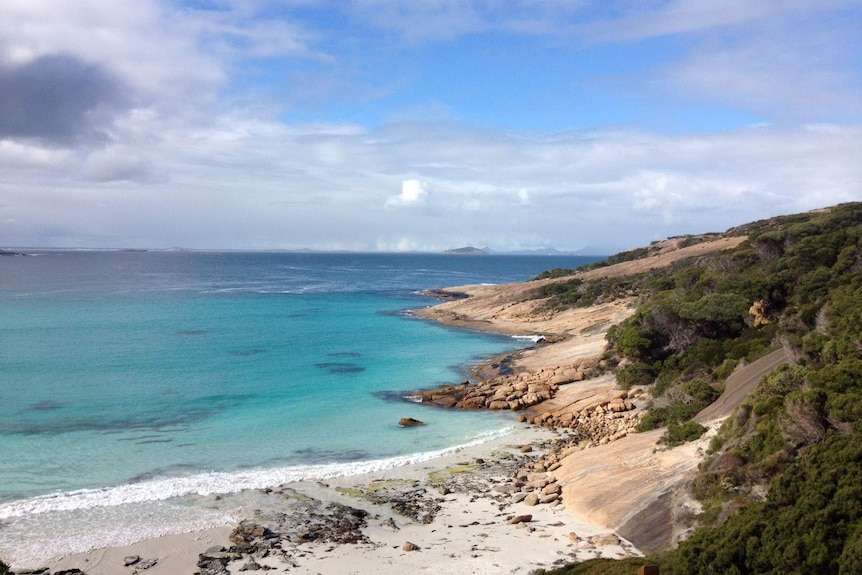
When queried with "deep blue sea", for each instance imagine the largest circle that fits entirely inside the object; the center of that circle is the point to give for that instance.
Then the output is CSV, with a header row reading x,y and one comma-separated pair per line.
x,y
132,381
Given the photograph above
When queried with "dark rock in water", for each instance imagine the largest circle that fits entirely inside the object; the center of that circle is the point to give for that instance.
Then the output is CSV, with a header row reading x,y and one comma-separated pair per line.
x,y
410,422
445,295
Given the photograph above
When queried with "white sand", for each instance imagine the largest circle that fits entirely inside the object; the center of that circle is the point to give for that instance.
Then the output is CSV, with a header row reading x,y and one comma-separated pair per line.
x,y
470,534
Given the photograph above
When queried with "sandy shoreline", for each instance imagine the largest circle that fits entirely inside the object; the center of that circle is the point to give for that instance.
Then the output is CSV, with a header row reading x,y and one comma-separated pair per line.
x,y
471,531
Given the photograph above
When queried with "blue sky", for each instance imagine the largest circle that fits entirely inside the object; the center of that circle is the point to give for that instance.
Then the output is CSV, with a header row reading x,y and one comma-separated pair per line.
x,y
421,125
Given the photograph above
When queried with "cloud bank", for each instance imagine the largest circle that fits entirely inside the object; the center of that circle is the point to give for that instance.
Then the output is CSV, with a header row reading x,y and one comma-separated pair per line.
x,y
262,124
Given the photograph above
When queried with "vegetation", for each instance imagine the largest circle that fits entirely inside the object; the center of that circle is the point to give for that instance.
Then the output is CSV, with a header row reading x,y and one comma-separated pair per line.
x,y
4,569
780,487
628,566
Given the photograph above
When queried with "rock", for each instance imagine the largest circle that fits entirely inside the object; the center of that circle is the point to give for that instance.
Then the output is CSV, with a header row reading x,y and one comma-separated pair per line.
x,y
607,539
531,499
408,546
72,571
247,532
526,449
520,519
552,488
131,560
550,498
145,564
518,497
409,422
251,565
477,402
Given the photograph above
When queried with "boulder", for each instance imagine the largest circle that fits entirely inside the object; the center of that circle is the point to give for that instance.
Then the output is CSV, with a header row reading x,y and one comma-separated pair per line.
x,y
520,519
552,488
410,422
408,546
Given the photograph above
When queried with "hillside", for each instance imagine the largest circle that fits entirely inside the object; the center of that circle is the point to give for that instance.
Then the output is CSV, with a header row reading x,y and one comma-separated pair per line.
x,y
681,325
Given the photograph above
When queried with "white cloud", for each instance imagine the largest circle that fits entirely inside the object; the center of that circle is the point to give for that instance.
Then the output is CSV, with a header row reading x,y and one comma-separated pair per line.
x,y
235,174
413,193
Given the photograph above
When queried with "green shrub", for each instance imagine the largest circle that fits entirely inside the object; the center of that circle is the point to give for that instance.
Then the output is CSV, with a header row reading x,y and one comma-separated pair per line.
x,y
679,433
635,374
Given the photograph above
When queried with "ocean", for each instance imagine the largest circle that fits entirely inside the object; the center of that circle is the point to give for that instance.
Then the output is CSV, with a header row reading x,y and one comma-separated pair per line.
x,y
134,385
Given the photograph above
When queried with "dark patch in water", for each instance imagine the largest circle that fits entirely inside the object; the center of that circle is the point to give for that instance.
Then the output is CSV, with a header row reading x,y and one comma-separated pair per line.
x,y
246,352
396,396
192,332
139,438
306,312
340,367
344,354
47,405
154,441
176,415
170,470
320,456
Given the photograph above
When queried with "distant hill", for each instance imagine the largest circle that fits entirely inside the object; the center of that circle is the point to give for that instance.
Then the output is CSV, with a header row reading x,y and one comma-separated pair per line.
x,y
468,251
586,251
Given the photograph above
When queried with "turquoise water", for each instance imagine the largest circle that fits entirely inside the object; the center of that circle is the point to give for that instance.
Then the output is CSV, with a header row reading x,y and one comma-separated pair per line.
x,y
135,378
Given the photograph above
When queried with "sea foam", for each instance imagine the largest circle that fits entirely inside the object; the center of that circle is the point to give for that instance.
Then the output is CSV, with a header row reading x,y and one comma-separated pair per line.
x,y
204,484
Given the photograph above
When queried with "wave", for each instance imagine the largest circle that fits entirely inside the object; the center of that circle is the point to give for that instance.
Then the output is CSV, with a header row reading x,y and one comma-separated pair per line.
x,y
213,483
533,338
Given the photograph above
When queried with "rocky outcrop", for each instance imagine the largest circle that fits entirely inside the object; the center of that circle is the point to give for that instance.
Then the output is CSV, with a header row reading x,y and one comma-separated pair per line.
x,y
509,392
599,420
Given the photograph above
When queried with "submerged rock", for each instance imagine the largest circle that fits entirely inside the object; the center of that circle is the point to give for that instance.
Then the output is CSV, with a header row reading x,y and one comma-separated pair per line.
x,y
410,422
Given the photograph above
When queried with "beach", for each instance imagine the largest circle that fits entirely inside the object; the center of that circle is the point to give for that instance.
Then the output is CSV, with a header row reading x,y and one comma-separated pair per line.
x,y
457,511
571,481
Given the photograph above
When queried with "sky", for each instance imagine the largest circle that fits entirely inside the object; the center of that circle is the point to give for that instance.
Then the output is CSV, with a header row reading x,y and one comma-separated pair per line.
x,y
426,125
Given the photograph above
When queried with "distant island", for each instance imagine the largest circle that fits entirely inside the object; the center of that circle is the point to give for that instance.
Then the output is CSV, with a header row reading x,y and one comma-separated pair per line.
x,y
586,251
468,251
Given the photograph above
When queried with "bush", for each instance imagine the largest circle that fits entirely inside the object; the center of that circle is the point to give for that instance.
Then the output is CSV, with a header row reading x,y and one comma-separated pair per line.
x,y
627,566
679,433
635,374
810,523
